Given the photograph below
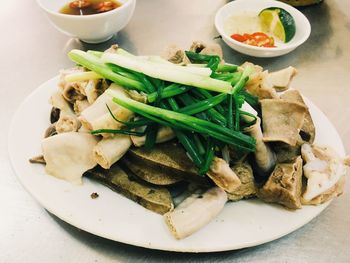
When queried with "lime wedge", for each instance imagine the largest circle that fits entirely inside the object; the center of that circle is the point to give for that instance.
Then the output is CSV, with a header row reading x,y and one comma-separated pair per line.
x,y
278,22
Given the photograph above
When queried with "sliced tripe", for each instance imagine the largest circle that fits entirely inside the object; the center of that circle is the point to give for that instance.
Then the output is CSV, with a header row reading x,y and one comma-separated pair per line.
x,y
169,157
195,212
69,155
110,150
223,176
284,185
155,175
307,131
282,120
152,197
287,153
323,169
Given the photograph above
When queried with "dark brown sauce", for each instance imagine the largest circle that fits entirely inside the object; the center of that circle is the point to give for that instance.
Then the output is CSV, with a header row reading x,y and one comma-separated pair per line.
x,y
89,7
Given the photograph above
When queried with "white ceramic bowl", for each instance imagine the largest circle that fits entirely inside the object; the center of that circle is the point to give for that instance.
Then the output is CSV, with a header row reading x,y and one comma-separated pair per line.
x,y
90,28
238,7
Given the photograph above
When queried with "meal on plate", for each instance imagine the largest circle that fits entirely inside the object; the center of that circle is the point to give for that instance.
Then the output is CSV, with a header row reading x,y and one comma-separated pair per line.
x,y
261,30
184,133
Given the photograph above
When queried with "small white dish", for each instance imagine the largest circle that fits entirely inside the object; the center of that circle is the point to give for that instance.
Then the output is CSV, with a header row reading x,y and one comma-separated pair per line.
x,y
239,7
89,28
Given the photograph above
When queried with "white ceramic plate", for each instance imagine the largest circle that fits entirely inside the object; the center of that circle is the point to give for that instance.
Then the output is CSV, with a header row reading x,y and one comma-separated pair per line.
x,y
253,7
241,224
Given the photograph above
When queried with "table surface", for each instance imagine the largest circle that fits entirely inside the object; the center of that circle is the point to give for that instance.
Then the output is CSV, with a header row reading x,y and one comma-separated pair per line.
x,y
33,51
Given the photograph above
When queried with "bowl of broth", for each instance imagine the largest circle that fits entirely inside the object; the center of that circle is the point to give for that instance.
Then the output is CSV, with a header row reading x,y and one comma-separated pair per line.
x,y
92,21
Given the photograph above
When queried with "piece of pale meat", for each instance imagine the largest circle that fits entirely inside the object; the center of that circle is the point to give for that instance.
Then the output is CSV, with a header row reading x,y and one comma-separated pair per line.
x,y
69,155
195,212
97,115
174,54
280,80
325,171
265,158
109,150
223,176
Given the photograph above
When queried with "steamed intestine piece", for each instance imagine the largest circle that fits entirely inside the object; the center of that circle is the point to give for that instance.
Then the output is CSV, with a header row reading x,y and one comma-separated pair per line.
x,y
223,176
195,212
97,115
94,88
59,102
73,91
175,54
64,72
325,171
265,158
67,122
79,106
69,155
110,150
97,109
212,49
